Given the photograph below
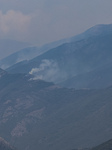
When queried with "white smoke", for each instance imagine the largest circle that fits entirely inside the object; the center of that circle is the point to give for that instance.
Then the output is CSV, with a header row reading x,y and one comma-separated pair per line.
x,y
48,71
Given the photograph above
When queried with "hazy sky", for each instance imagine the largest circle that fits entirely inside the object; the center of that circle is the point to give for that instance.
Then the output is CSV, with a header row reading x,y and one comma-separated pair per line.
x,y
43,21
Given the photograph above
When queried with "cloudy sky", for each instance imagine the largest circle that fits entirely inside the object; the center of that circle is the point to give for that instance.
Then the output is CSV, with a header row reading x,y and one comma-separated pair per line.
x,y
44,21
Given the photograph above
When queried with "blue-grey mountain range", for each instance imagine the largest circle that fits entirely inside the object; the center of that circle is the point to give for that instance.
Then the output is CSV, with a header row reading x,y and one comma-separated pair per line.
x,y
31,52
71,63
38,111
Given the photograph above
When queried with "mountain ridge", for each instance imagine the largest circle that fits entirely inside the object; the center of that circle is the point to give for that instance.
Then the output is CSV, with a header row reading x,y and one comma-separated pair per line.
x,y
70,59
19,56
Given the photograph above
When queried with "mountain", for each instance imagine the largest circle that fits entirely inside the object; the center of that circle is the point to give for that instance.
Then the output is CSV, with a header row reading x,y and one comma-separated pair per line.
x,y
22,55
35,114
27,54
8,47
35,51
97,30
5,145
70,60
105,146
100,30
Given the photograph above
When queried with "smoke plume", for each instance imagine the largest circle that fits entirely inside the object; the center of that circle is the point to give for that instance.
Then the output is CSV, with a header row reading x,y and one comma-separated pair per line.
x,y
48,71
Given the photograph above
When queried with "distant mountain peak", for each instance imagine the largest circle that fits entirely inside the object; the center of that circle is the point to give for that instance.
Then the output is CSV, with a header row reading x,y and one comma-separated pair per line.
x,y
100,29
97,30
